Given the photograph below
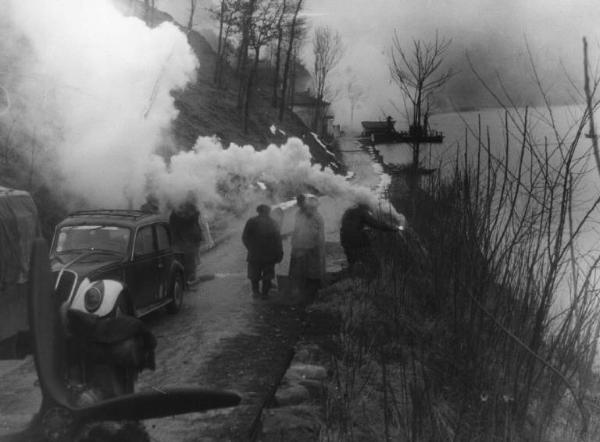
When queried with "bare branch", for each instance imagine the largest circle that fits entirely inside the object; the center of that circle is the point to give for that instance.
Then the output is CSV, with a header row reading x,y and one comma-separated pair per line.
x,y
328,50
418,74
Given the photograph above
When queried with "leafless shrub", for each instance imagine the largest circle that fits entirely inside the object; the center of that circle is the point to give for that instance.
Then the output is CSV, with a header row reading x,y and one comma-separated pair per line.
x,y
490,332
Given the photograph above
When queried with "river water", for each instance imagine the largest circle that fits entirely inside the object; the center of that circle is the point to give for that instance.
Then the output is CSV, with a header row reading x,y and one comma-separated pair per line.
x,y
462,128
461,133
547,128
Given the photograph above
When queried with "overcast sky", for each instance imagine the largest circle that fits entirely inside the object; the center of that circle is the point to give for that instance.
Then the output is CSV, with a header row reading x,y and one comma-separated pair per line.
x,y
493,32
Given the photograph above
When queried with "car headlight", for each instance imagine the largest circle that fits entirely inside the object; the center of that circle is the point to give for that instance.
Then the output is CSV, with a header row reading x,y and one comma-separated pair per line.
x,y
93,297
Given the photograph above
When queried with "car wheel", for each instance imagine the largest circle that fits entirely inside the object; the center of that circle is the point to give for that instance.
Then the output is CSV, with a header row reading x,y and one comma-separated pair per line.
x,y
176,295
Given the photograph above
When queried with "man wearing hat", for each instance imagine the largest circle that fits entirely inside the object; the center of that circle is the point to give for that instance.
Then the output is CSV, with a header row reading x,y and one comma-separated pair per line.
x,y
262,239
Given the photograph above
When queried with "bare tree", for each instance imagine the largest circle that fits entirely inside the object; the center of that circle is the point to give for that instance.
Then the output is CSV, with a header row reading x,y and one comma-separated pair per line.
x,y
261,32
242,65
193,4
418,73
288,57
295,62
228,17
220,45
280,36
252,24
327,50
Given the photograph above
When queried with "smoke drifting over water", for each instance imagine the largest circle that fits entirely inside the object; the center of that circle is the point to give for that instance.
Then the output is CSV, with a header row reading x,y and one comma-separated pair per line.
x,y
95,91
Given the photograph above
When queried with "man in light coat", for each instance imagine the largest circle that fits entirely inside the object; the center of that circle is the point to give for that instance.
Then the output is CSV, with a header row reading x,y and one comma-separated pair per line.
x,y
307,264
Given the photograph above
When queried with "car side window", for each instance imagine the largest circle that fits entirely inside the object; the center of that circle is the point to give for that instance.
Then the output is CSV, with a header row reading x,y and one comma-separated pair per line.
x,y
162,236
144,241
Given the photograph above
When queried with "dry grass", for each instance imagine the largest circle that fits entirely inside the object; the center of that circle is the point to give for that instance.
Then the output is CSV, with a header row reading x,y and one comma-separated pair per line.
x,y
483,324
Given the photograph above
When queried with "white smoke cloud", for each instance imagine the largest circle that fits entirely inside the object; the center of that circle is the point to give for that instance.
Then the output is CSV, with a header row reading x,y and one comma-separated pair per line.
x,y
226,178
105,81
98,95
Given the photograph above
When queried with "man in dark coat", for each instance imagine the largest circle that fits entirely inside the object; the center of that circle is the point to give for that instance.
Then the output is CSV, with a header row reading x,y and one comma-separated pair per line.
x,y
355,240
262,239
187,236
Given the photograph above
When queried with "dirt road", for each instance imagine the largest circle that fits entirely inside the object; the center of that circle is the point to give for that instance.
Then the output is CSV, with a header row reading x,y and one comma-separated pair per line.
x,y
222,339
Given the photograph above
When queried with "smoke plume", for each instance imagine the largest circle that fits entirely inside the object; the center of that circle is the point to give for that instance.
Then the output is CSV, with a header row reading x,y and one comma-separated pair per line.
x,y
95,92
97,95
228,178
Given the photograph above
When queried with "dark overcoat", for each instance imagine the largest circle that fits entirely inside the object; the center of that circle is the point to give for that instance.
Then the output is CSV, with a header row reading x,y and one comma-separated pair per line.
x,y
262,240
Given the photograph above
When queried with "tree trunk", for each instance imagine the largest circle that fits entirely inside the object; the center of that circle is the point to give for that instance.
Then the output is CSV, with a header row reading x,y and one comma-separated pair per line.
x,y
223,58
242,79
191,18
286,67
293,69
220,44
320,95
278,56
317,115
249,87
243,56
416,153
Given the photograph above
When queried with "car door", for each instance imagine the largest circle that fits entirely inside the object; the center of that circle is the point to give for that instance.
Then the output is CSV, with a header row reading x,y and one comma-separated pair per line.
x,y
163,258
144,278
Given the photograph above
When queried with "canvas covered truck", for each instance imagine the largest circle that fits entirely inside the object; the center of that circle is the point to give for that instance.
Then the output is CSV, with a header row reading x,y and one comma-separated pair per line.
x,y
19,226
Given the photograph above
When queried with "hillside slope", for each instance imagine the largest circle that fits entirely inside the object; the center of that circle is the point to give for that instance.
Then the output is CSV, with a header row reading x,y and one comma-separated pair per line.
x,y
207,110
204,110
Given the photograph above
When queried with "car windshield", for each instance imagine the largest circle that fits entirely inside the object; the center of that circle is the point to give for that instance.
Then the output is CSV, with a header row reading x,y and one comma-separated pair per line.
x,y
103,238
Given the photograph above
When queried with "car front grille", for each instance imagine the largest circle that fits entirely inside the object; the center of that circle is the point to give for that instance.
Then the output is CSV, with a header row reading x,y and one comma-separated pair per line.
x,y
65,284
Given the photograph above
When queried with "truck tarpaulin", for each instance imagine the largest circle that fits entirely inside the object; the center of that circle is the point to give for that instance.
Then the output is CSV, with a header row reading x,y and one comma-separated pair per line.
x,y
19,226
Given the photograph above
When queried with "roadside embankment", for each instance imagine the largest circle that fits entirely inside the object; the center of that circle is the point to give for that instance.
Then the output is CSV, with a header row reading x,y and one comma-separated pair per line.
x,y
455,340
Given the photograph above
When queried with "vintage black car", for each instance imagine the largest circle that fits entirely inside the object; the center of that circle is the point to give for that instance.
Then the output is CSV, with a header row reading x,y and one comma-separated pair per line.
x,y
111,262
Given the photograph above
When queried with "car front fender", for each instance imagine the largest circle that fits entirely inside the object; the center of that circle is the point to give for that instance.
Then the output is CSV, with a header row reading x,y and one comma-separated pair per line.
x,y
176,266
112,291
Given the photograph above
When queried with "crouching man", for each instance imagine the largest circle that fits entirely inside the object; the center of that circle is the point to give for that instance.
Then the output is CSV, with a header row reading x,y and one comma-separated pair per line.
x,y
356,242
262,239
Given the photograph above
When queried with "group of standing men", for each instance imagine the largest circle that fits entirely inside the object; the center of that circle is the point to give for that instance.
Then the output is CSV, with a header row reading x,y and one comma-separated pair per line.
x,y
263,240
